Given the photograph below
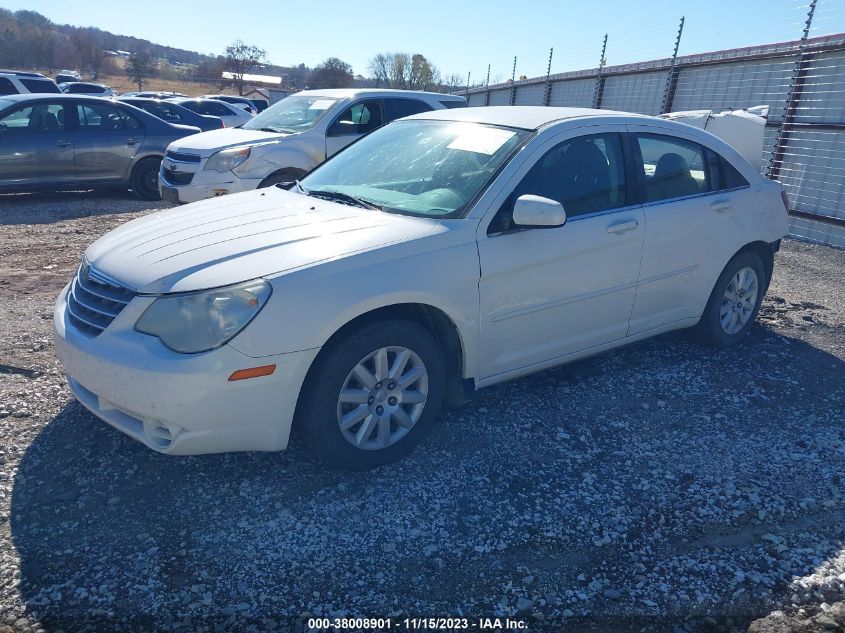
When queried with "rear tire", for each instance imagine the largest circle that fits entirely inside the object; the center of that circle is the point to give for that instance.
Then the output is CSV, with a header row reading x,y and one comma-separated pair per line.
x,y
352,424
734,301
144,180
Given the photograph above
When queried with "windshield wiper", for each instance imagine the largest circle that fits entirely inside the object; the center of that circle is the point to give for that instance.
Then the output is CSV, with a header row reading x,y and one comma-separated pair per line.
x,y
344,198
269,129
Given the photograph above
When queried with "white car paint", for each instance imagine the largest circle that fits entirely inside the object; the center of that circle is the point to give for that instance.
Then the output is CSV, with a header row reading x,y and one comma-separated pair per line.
x,y
270,152
520,301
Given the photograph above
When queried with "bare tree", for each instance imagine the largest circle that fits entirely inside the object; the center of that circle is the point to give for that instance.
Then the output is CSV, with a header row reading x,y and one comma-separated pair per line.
x,y
88,44
404,71
140,67
332,73
240,58
380,66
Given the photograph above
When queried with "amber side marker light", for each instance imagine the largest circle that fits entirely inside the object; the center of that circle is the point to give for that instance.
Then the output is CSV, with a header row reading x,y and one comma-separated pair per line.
x,y
252,372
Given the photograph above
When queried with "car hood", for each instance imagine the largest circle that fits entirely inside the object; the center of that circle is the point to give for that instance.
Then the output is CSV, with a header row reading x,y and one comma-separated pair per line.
x,y
206,143
243,236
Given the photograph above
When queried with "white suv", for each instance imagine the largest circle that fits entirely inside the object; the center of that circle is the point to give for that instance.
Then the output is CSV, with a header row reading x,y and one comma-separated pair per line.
x,y
450,249
284,142
18,82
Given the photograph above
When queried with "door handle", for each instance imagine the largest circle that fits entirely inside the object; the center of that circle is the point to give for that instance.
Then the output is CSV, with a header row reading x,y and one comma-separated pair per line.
x,y
622,226
132,141
721,205
62,143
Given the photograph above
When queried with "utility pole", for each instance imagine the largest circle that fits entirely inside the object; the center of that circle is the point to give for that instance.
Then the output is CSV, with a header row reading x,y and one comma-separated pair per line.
x,y
513,82
487,85
469,74
597,95
672,76
547,95
793,96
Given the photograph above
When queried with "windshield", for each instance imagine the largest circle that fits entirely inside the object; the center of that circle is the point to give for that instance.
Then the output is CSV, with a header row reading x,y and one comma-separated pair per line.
x,y
429,168
291,114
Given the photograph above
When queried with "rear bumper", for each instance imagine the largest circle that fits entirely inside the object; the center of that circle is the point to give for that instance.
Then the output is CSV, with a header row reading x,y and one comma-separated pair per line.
x,y
178,404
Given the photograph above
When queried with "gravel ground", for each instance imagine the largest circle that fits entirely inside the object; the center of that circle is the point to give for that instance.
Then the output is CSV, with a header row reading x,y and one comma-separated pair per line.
x,y
663,486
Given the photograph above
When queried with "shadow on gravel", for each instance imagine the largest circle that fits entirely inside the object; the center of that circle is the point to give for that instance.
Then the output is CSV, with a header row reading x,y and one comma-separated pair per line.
x,y
45,207
619,488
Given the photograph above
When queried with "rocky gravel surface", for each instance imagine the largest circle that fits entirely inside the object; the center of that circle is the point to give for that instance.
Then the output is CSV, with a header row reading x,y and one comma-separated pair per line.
x,y
661,487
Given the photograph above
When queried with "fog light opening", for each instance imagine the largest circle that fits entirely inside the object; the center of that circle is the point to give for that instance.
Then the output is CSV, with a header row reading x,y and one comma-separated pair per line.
x,y
159,435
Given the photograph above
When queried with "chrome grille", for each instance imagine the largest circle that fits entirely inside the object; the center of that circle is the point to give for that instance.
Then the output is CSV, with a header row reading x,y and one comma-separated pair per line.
x,y
95,300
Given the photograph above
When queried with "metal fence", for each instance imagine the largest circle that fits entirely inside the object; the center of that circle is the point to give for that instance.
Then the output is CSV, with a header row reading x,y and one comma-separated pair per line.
x,y
802,82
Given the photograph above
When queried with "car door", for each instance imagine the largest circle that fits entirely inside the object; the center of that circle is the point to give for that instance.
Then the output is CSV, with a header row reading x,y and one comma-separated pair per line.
x,y
106,141
547,293
36,145
692,226
360,118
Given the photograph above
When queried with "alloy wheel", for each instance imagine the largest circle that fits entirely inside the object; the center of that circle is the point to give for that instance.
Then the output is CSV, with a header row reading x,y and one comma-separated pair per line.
x,y
382,398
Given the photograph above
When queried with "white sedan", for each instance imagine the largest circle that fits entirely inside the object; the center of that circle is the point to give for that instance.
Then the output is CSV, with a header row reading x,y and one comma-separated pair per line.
x,y
450,250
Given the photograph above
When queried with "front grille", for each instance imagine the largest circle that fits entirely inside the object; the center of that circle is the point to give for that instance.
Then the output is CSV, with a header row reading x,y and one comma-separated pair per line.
x,y
182,158
95,300
177,177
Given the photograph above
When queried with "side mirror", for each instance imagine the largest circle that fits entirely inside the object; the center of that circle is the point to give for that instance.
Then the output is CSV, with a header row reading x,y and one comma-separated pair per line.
x,y
538,212
344,128
3,127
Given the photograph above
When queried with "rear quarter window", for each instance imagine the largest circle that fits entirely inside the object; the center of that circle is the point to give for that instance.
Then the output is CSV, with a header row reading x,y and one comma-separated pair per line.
x,y
40,85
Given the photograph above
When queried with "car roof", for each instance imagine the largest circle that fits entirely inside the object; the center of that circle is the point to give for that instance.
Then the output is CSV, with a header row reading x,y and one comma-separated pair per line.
x,y
343,93
524,117
83,83
50,96
22,73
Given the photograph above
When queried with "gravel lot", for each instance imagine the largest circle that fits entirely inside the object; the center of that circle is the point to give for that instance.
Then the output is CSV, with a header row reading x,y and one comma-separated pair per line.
x,y
664,486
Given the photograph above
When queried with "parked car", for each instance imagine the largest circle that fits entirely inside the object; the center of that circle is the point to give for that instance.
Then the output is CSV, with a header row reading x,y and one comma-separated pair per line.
x,y
86,88
455,248
231,115
286,141
15,82
63,141
154,95
174,113
65,76
241,102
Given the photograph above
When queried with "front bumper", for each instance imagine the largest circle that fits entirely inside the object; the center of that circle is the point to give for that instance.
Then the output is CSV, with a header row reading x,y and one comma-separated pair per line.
x,y
204,184
178,404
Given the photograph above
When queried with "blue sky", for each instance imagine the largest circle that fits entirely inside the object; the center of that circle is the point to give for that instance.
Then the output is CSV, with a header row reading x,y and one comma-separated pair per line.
x,y
457,35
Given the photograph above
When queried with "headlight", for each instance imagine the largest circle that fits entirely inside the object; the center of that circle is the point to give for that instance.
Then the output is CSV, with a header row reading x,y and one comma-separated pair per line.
x,y
227,159
199,321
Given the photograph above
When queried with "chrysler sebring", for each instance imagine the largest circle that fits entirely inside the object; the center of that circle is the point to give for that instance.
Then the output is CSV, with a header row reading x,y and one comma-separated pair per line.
x,y
446,251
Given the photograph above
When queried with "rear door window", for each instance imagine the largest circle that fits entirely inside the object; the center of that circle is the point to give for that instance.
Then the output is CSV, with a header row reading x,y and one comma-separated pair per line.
x,y
101,117
673,167
397,108
7,87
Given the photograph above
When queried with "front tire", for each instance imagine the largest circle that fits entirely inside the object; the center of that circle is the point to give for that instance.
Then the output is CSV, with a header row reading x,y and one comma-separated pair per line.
x,y
373,395
734,301
144,180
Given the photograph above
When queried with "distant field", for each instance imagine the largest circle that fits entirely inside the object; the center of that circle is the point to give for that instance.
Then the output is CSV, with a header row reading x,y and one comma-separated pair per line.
x,y
119,82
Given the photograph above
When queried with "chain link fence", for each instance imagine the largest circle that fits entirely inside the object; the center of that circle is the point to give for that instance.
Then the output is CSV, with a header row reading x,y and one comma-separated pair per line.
x,y
802,82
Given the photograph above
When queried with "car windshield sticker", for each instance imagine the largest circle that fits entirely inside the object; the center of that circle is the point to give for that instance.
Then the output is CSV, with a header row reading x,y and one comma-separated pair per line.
x,y
321,104
480,139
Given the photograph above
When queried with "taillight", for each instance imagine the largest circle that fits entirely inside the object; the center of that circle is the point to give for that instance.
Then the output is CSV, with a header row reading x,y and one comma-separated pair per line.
x,y
785,199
